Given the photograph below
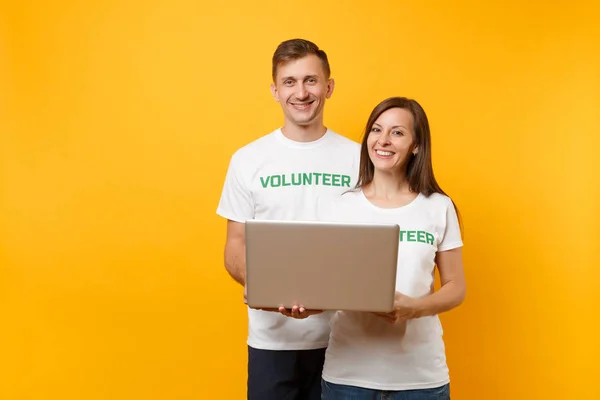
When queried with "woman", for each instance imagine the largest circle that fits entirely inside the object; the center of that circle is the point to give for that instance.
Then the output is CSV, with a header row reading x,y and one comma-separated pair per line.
x,y
400,355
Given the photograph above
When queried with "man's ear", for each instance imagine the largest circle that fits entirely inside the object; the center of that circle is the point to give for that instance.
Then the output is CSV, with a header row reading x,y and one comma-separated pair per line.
x,y
274,92
330,87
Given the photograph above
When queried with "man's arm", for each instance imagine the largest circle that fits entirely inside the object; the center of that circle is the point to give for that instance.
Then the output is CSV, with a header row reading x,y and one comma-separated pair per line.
x,y
235,251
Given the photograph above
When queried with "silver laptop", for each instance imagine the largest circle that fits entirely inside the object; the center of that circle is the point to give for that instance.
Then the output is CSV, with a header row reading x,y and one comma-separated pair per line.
x,y
321,265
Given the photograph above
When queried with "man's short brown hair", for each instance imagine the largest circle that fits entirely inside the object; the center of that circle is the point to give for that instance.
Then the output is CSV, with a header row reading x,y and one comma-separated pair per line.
x,y
294,49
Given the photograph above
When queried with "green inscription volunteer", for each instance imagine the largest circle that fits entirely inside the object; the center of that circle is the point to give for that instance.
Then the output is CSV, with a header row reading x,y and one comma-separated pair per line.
x,y
305,179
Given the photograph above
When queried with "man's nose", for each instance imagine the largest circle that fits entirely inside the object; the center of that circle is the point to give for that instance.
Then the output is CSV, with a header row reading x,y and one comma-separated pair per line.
x,y
301,93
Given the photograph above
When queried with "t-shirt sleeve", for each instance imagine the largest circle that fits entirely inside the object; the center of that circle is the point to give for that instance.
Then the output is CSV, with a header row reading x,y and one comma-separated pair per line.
x,y
452,236
236,201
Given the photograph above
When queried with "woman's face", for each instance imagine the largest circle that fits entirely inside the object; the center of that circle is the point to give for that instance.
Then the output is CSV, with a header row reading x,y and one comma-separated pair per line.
x,y
391,140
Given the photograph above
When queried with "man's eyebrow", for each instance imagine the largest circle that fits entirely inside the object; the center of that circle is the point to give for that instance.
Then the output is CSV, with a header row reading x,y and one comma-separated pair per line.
x,y
285,78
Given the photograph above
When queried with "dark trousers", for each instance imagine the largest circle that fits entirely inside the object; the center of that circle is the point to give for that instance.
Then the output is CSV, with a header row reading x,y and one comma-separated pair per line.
x,y
285,374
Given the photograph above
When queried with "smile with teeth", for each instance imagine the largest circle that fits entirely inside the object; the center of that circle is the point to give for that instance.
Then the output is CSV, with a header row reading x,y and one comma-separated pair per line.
x,y
384,153
301,106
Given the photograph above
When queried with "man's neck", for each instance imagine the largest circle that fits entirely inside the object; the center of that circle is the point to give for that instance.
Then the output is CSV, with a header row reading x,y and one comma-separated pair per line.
x,y
304,133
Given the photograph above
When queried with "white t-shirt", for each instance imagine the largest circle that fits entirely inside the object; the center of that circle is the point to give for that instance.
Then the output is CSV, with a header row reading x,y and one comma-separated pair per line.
x,y
277,178
365,350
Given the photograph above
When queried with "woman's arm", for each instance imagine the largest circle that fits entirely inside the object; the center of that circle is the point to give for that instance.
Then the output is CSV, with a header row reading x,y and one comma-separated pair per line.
x,y
453,287
450,295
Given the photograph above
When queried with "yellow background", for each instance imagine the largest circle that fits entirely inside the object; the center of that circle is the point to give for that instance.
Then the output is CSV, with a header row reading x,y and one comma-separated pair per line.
x,y
117,121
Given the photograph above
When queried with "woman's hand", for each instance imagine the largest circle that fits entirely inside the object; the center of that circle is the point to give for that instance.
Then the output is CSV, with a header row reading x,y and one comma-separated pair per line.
x,y
298,312
450,295
405,308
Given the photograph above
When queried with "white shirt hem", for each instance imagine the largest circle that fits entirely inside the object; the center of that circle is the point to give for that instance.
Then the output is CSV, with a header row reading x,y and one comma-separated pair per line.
x,y
450,246
380,386
227,215
287,346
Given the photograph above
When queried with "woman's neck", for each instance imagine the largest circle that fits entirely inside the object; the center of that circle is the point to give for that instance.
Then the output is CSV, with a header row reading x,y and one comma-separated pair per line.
x,y
389,190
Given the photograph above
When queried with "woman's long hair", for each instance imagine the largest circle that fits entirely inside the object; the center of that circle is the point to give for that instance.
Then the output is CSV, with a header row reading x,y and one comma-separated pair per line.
x,y
419,170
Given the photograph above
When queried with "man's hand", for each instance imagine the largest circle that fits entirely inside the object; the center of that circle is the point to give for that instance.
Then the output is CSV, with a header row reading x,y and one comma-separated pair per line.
x,y
298,312
275,309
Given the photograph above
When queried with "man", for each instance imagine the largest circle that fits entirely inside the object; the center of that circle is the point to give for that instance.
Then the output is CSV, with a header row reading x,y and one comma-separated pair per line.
x,y
279,176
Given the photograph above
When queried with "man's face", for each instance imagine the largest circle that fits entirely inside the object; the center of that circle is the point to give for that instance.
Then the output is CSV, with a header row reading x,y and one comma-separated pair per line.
x,y
301,88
